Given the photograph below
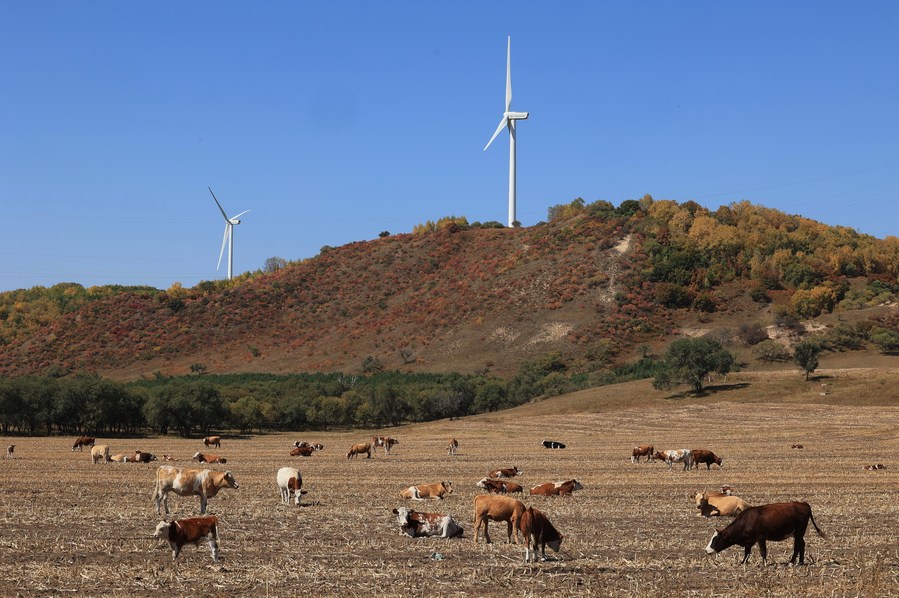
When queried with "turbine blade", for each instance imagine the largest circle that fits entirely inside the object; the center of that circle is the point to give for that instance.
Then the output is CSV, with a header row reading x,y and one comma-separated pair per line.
x,y
502,123
218,204
509,75
241,214
224,242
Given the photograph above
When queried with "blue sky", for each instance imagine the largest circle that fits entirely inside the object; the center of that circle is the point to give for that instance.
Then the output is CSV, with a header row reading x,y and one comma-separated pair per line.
x,y
334,121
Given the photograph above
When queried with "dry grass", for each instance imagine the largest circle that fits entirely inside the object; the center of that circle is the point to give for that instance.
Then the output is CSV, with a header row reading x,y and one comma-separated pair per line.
x,y
72,528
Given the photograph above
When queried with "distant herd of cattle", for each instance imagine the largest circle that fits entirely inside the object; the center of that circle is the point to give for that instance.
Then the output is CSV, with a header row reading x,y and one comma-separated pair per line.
x,y
771,522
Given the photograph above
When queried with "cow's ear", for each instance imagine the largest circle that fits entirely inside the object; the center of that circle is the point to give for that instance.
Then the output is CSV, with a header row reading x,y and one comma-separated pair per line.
x,y
396,512
717,531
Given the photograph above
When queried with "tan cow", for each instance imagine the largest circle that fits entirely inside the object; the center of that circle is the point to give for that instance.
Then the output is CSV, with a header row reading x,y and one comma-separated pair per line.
x,y
713,506
119,458
491,507
358,449
192,530
201,458
100,452
215,441
204,483
425,491
556,488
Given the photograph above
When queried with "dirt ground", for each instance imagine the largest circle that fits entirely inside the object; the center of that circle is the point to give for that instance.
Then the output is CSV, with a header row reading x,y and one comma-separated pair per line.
x,y
70,528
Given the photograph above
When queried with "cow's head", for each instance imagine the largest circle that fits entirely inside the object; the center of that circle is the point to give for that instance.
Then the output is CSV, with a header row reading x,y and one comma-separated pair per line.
x,y
318,447
448,486
162,529
230,481
403,516
716,544
575,485
482,483
699,498
556,544
197,456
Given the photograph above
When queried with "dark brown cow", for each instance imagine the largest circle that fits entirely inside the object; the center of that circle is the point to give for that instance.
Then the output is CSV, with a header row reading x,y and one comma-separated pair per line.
x,y
505,473
192,530
499,486
708,457
83,441
643,450
556,488
774,522
536,528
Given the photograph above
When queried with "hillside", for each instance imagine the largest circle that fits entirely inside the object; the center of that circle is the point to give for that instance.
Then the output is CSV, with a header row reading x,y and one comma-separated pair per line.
x,y
596,284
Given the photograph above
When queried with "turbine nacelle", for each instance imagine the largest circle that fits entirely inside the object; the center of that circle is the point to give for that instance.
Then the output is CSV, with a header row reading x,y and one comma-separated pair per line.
x,y
516,115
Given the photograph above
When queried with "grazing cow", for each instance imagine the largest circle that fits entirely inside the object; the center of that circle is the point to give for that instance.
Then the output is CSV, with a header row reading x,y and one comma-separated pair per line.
x,y
192,530
290,482
215,441
386,441
774,522
10,450
537,529
83,441
699,456
358,449
797,446
504,473
201,458
643,450
452,446
204,483
416,524
168,458
552,444
100,452
499,486
673,456
556,488
712,504
488,507
424,491
867,467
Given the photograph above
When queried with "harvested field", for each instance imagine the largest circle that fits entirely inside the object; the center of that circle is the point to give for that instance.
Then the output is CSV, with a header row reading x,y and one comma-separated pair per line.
x,y
72,528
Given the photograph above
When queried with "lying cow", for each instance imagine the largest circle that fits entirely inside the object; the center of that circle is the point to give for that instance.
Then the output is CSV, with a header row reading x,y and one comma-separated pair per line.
x,y
867,467
215,441
498,486
290,482
556,488
553,444
416,524
83,441
713,504
204,483
489,507
119,458
100,452
201,458
774,522
190,531
425,491
673,456
700,456
141,457
537,530
358,449
302,451
642,450
302,444
796,446
505,473
168,458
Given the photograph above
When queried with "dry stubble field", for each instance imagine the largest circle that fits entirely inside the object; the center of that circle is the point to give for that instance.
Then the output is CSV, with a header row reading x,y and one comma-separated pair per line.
x,y
71,528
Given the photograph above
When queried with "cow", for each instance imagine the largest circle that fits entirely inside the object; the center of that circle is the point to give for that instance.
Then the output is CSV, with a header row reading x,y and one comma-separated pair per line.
x,y
416,524
290,482
712,504
83,441
700,456
552,444
119,458
201,458
867,467
215,441
556,488
673,456
168,458
642,450
452,446
100,452
425,491
489,507
204,483
141,457
386,441
302,451
796,446
537,529
10,450
358,449
504,473
192,530
499,486
303,444
774,522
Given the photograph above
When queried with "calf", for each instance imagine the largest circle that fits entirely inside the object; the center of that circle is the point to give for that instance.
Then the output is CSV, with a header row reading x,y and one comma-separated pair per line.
x,y
673,456
504,473
536,528
774,522
711,504
215,441
190,531
552,444
201,458
452,446
556,488
700,456
488,507
83,441
416,524
10,450
425,491
290,482
499,486
100,452
358,449
642,450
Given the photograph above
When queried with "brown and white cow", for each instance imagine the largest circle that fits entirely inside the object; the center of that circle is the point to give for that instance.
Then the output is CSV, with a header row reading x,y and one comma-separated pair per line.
x,y
673,456
556,488
452,447
867,467
302,451
642,450
290,482
505,473
168,458
416,524
215,441
204,483
192,530
100,452
141,457
700,456
303,444
537,530
83,441
714,504
201,458
499,486
10,450
773,522
491,507
359,449
796,446
386,441
426,491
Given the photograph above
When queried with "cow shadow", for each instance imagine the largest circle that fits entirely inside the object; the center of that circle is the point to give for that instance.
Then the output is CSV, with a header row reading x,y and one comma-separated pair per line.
x,y
707,391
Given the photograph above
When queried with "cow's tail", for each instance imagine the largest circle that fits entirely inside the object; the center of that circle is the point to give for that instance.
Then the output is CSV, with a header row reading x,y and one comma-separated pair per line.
x,y
815,525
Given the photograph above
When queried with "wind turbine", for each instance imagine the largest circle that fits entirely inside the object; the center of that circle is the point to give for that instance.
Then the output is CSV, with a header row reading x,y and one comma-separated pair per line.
x,y
230,223
508,120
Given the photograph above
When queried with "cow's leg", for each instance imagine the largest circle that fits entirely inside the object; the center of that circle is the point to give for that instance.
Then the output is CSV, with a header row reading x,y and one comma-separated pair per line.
x,y
176,550
798,550
214,547
746,550
763,550
202,505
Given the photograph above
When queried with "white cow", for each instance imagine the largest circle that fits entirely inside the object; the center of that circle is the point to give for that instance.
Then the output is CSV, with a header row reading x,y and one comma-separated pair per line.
x,y
100,452
290,482
673,456
416,524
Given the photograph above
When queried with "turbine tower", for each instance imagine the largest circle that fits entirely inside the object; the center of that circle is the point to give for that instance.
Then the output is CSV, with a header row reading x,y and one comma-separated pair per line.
x,y
508,121
230,223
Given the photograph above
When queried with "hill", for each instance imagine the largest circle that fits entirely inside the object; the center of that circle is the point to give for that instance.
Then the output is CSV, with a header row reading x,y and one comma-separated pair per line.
x,y
596,284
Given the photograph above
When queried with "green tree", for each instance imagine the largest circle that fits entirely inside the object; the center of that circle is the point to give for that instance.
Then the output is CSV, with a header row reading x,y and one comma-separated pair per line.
x,y
690,360
805,354
886,340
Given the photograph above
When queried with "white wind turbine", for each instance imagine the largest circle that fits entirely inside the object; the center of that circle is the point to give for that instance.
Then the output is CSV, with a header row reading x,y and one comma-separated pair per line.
x,y
230,223
508,120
